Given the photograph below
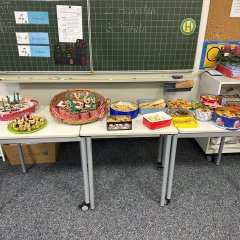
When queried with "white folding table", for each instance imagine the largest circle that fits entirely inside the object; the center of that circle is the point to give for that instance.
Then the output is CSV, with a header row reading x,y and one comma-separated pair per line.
x,y
204,129
53,132
99,130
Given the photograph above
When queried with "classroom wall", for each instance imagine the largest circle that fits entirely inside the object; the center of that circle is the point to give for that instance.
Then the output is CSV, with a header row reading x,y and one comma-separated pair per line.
x,y
8,89
114,91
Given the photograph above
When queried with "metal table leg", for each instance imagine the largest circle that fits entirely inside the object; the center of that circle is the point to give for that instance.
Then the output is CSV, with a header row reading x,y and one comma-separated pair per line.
x,y
20,154
84,205
172,166
90,171
220,151
2,154
167,148
160,152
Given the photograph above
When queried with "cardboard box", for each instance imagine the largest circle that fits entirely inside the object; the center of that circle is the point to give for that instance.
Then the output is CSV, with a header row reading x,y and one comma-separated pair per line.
x,y
33,153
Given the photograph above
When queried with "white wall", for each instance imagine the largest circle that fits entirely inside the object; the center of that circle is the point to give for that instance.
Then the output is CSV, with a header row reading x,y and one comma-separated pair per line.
x,y
8,89
115,91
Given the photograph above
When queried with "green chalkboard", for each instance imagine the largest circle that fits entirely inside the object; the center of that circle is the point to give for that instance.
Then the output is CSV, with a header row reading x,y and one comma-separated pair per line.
x,y
126,35
143,34
9,56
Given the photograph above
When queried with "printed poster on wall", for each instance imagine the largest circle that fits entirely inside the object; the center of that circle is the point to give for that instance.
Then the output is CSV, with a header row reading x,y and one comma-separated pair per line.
x,y
210,51
69,23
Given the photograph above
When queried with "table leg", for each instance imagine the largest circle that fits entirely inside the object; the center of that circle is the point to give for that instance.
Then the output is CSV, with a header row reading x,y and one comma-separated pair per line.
x,y
84,169
20,154
220,151
160,152
1,153
172,166
90,171
167,148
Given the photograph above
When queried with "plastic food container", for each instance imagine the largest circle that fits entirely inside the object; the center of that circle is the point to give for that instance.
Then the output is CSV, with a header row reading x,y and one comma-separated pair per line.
x,y
157,120
179,103
124,108
225,98
146,110
185,122
210,99
233,104
203,114
179,112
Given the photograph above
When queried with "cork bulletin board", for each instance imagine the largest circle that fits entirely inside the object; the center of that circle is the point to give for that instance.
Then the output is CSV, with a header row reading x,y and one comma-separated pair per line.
x,y
220,26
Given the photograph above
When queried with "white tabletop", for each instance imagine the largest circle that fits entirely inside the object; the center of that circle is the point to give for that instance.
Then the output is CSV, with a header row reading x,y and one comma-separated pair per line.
x,y
99,129
206,127
53,129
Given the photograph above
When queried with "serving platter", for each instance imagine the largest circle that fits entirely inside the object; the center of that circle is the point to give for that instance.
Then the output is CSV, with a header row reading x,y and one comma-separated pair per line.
x,y
12,130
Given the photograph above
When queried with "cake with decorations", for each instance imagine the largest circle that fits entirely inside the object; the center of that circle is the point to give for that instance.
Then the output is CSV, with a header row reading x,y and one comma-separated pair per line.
x,y
78,106
11,108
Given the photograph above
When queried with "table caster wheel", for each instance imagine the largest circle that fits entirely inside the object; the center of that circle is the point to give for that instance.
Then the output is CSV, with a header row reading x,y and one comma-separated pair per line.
x,y
167,201
209,158
159,165
84,206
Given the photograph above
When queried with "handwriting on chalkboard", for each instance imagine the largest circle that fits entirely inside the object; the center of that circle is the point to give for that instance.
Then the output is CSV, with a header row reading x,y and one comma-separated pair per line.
x,y
5,25
127,26
137,11
127,10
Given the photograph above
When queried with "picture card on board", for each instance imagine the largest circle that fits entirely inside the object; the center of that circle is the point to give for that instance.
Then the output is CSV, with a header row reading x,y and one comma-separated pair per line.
x,y
31,17
32,38
33,51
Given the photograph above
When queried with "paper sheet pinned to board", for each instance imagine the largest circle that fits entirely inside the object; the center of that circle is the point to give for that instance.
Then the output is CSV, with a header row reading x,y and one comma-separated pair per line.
x,y
235,10
69,23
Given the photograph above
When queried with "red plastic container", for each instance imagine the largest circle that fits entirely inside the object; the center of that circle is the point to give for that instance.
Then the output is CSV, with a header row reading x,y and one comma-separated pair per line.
x,y
157,120
209,99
